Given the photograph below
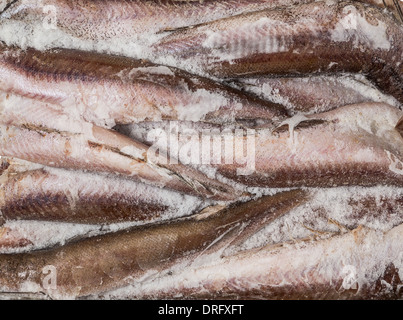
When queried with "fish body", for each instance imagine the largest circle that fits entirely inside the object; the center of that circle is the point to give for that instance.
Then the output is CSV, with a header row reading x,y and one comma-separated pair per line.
x,y
358,144
106,89
11,238
313,38
361,264
103,20
48,194
96,264
355,145
315,94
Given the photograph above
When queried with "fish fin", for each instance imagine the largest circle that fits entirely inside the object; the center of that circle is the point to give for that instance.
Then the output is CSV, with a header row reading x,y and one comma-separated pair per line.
x,y
399,126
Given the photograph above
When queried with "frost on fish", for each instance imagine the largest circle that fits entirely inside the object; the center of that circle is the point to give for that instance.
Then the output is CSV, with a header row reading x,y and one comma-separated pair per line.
x,y
318,37
104,262
10,238
315,94
360,264
347,146
103,154
50,194
352,145
333,210
106,90
127,20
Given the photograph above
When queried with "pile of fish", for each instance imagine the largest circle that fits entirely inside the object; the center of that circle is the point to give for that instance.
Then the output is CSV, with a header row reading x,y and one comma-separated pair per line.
x,y
155,149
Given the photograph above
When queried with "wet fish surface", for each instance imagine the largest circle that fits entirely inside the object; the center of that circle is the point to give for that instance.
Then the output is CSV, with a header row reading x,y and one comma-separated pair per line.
x,y
104,262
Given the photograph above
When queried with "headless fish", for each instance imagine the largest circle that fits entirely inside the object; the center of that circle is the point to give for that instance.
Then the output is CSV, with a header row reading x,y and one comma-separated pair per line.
x,y
105,89
360,264
358,144
48,194
101,263
315,94
394,6
128,20
105,151
353,145
318,37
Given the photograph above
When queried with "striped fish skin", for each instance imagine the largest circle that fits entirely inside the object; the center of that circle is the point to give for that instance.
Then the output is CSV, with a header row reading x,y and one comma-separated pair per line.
x,y
360,264
105,89
315,94
72,196
101,263
102,20
339,37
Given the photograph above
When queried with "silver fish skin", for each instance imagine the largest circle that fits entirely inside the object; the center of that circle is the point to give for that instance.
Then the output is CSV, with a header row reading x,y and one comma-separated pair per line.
x,y
314,38
101,263
360,264
48,194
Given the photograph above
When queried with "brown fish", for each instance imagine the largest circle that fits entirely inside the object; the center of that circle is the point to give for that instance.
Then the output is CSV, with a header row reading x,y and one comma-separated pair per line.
x,y
394,6
105,89
318,37
105,262
361,264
